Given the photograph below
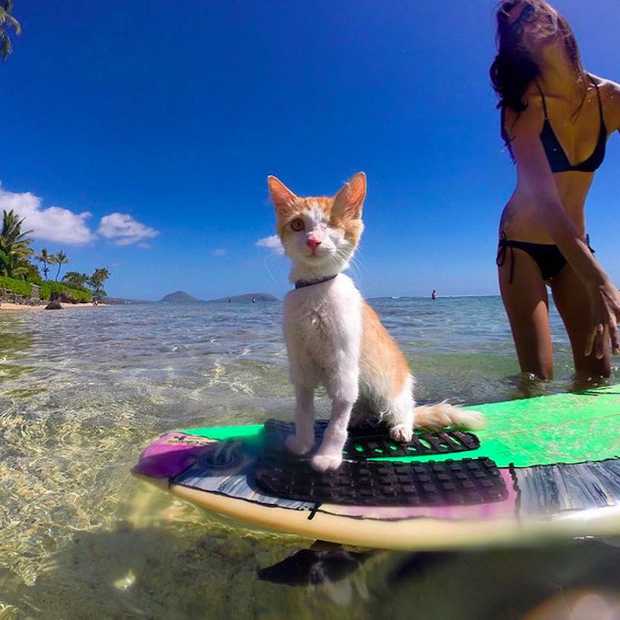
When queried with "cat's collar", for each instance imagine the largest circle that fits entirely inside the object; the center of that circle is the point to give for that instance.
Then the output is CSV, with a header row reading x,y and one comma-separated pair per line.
x,y
304,283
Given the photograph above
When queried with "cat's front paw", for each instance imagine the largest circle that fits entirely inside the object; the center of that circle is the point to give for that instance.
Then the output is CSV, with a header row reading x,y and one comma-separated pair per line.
x,y
401,433
297,445
326,462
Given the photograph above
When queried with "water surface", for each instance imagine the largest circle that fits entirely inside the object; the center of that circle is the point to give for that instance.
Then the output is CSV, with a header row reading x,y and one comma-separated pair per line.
x,y
82,391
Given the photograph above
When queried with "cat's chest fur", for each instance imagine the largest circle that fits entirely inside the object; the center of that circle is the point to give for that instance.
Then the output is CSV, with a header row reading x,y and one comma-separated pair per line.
x,y
321,319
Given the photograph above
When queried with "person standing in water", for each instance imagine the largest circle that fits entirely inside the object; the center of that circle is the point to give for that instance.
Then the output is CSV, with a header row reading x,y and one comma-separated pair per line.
x,y
555,119
434,295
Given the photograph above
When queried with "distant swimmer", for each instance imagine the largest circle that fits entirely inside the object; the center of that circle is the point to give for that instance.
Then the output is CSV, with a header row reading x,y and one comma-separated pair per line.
x,y
434,295
253,300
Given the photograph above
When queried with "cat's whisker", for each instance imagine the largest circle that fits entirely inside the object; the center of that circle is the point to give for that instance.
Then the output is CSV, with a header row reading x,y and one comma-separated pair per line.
x,y
267,268
356,265
266,260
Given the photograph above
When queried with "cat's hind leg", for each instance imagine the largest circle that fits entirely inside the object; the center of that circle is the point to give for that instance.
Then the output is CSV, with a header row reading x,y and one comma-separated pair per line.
x,y
303,439
400,413
403,415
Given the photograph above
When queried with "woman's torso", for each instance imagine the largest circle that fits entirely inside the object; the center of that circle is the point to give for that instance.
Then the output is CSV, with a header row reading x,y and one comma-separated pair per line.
x,y
520,219
578,140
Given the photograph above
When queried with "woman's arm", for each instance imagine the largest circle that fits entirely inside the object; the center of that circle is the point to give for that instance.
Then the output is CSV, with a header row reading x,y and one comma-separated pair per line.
x,y
614,106
610,95
537,186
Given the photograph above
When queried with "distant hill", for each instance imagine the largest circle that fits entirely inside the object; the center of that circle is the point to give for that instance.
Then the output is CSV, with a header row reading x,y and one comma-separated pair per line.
x,y
180,297
247,298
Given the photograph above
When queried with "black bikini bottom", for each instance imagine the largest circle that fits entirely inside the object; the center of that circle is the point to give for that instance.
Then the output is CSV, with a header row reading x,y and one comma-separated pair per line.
x,y
547,256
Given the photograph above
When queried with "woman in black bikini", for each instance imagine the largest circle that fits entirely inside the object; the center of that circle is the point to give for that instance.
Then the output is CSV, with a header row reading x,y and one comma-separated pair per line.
x,y
553,113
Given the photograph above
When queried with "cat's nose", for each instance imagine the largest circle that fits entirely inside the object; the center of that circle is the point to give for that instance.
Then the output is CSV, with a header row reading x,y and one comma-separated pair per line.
x,y
312,243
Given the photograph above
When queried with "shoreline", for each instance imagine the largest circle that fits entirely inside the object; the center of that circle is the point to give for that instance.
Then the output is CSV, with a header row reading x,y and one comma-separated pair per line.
x,y
11,307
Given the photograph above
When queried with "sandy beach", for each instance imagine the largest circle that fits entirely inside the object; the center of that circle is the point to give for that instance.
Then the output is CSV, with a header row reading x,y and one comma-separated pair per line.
x,y
5,306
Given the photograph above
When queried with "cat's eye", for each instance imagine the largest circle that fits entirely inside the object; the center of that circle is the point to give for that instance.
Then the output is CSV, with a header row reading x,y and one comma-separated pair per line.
x,y
297,224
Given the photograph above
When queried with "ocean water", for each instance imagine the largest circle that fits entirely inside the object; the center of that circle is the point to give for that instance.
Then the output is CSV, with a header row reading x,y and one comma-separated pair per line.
x,y
82,391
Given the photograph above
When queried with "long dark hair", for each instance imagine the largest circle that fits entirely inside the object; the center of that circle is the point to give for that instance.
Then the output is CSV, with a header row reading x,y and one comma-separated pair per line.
x,y
514,69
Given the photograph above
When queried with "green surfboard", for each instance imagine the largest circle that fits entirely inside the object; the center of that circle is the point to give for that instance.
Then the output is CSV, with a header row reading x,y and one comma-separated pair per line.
x,y
558,458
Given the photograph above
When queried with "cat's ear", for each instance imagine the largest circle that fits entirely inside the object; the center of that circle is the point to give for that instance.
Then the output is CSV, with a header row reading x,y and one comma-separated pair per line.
x,y
283,198
349,201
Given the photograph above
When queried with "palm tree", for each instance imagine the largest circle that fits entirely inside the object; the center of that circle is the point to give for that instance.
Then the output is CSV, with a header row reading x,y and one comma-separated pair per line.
x,y
75,279
31,273
96,281
7,21
59,259
14,246
44,257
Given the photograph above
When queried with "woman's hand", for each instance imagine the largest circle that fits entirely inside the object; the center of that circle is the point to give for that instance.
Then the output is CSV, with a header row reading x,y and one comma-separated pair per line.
x,y
605,306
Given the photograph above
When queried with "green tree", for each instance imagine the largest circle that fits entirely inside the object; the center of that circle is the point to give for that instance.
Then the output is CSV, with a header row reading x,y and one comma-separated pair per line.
x,y
97,280
76,279
14,246
59,259
7,23
32,274
44,257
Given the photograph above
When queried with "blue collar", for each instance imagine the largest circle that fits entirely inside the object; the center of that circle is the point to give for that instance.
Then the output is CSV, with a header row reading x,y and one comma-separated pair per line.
x,y
304,283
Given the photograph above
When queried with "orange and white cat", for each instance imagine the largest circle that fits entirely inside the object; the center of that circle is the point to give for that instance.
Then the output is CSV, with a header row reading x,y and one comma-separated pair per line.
x,y
333,337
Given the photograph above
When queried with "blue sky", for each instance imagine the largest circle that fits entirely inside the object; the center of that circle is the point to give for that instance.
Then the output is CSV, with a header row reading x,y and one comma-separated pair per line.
x,y
138,136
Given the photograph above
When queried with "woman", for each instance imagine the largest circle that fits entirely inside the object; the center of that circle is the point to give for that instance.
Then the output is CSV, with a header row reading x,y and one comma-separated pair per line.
x,y
555,121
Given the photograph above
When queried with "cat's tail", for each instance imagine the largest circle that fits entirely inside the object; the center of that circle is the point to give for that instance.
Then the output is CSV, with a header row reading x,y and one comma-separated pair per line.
x,y
442,415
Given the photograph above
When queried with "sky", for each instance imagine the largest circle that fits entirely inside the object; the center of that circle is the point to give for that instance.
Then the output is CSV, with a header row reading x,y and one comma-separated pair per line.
x,y
138,136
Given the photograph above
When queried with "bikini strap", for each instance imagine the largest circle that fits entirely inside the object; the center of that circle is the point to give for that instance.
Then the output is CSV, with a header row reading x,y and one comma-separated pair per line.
x,y
600,103
501,255
543,99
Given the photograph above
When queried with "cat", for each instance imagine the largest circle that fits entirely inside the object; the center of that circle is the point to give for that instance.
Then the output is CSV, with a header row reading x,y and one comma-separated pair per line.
x,y
334,338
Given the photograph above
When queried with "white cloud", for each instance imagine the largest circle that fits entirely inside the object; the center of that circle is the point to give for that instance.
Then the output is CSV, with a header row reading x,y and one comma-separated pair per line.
x,y
219,252
49,224
272,243
122,229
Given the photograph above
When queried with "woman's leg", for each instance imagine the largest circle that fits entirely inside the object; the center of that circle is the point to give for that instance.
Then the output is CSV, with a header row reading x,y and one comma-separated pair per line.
x,y
526,303
571,299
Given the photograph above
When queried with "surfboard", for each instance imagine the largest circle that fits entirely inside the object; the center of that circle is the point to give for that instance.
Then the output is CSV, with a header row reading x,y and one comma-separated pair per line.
x,y
552,467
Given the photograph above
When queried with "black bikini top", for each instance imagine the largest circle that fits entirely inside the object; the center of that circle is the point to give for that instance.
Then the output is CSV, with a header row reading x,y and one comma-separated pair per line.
x,y
556,155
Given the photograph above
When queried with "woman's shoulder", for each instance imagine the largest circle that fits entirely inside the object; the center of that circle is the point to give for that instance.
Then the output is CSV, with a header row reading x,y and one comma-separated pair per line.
x,y
603,82
608,88
610,96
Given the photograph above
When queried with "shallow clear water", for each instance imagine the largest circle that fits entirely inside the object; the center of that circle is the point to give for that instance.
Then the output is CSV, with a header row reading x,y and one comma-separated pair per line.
x,y
82,391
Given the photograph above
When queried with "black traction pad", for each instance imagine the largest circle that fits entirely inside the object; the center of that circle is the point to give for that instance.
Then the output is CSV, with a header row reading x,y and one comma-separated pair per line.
x,y
384,483
372,440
